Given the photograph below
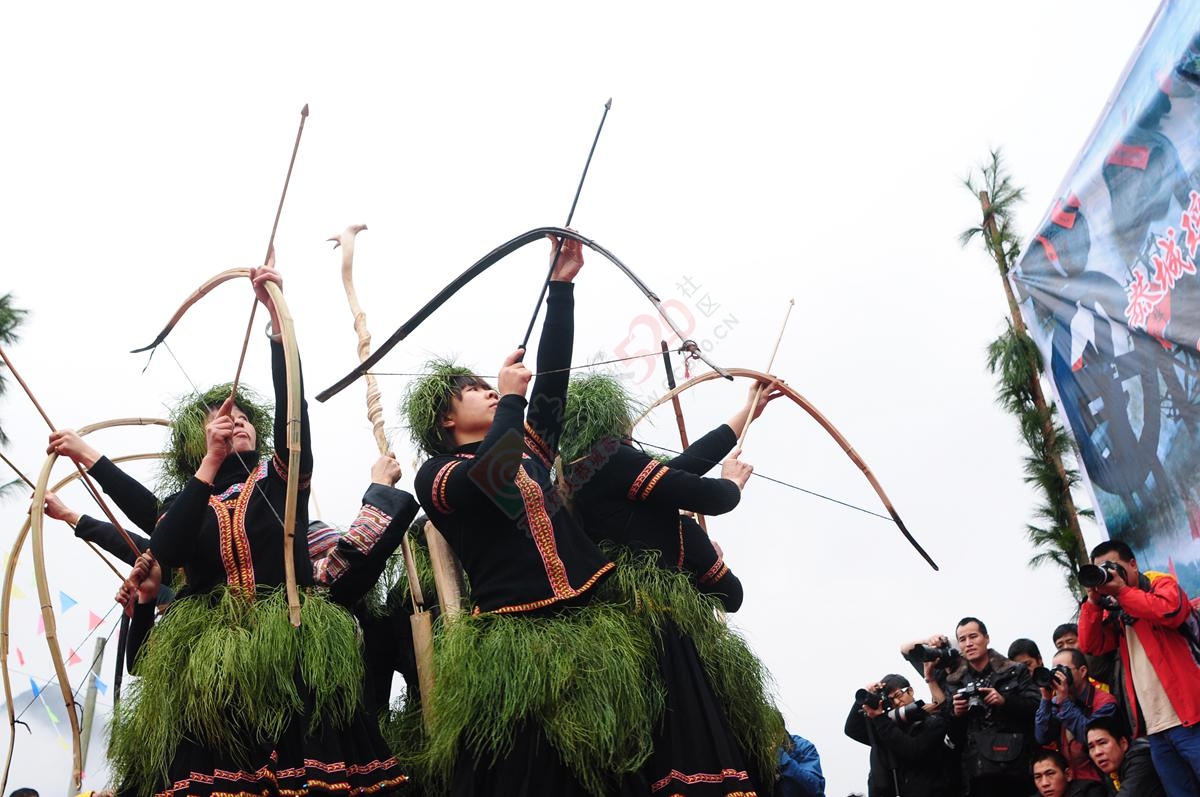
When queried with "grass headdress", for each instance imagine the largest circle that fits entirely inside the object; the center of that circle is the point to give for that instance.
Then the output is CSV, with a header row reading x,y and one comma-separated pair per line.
x,y
598,407
187,444
427,400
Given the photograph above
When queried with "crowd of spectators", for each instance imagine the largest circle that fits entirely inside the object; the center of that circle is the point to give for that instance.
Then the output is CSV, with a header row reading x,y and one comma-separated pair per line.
x,y
1115,711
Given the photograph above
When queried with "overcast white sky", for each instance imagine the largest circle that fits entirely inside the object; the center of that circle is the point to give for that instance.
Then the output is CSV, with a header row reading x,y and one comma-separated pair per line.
x,y
765,150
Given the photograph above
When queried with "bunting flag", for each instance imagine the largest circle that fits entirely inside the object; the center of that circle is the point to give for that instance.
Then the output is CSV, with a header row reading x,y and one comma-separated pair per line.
x,y
65,602
18,593
100,685
41,626
20,658
94,620
33,687
52,715
1110,290
73,658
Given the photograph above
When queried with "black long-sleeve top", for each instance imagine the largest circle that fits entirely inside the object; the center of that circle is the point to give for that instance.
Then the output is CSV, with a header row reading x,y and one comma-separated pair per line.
x,y
494,500
137,502
231,532
624,496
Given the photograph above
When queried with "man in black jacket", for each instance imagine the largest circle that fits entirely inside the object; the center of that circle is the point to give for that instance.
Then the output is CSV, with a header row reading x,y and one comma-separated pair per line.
x,y
991,708
1125,763
908,755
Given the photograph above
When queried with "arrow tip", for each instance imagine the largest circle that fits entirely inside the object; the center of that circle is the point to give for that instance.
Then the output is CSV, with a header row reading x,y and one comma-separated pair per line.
x,y
608,105
304,111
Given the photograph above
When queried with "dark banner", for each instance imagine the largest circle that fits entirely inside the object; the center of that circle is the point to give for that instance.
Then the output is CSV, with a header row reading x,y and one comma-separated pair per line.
x,y
1110,291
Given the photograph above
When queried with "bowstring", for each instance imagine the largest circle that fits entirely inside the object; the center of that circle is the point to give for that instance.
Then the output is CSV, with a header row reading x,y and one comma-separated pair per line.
x,y
813,493
536,373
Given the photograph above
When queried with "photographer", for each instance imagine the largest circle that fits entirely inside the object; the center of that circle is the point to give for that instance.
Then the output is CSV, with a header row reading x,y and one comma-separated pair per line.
x,y
1140,614
1069,702
993,700
908,757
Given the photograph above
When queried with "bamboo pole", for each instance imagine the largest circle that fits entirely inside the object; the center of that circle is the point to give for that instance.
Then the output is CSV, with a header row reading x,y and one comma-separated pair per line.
x,y
1035,382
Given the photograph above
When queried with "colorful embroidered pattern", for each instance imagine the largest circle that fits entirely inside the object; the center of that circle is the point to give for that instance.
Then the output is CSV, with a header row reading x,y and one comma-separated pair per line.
x,y
647,480
234,544
439,486
281,469
704,777
542,530
366,530
266,780
715,573
529,607
234,489
537,445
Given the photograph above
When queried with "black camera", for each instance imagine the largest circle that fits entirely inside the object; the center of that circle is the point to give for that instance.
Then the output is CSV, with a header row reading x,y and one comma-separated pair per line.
x,y
974,696
1092,576
876,700
945,655
1044,678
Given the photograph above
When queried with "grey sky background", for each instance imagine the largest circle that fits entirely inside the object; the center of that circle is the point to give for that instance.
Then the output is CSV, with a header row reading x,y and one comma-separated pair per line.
x,y
764,151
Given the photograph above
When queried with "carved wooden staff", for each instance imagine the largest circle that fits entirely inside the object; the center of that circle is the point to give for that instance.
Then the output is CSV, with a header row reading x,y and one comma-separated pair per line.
x,y
421,619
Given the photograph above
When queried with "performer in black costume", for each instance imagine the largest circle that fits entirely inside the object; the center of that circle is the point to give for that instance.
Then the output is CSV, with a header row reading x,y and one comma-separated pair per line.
x,y
231,698
715,722
542,689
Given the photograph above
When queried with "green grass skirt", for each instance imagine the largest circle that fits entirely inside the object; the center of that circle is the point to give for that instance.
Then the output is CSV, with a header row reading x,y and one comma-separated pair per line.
x,y
225,672
588,675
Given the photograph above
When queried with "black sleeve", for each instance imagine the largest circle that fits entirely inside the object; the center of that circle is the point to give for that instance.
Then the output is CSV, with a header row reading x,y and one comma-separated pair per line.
x,y
913,749
856,725
548,399
139,628
362,553
131,496
642,479
279,377
445,483
174,538
104,535
700,457
1138,776
1021,698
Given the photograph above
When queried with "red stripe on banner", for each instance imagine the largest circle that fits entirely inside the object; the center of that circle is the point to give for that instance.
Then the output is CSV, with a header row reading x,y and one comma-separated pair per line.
x,y
1051,252
1073,202
1061,217
1129,155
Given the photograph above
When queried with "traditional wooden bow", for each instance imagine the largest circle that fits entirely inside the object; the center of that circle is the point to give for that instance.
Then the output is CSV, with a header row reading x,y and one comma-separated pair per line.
x,y
35,522
287,333
806,405
490,259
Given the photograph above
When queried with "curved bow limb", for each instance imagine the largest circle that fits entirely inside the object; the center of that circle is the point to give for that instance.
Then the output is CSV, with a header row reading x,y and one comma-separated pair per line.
x,y
6,605
797,398
291,360
36,517
197,295
482,265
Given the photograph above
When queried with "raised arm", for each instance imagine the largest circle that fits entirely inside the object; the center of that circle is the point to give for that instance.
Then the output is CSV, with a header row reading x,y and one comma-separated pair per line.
x,y
641,478
138,503
548,399
98,532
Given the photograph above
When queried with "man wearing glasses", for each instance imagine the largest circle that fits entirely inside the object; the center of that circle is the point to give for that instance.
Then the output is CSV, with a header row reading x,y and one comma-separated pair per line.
x,y
906,737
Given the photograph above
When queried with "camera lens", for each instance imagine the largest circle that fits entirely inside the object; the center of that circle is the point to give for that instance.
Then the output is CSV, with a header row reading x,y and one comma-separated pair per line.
x,y
1092,576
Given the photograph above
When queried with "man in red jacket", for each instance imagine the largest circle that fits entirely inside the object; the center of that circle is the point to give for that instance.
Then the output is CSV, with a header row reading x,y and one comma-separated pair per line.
x,y
1162,679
